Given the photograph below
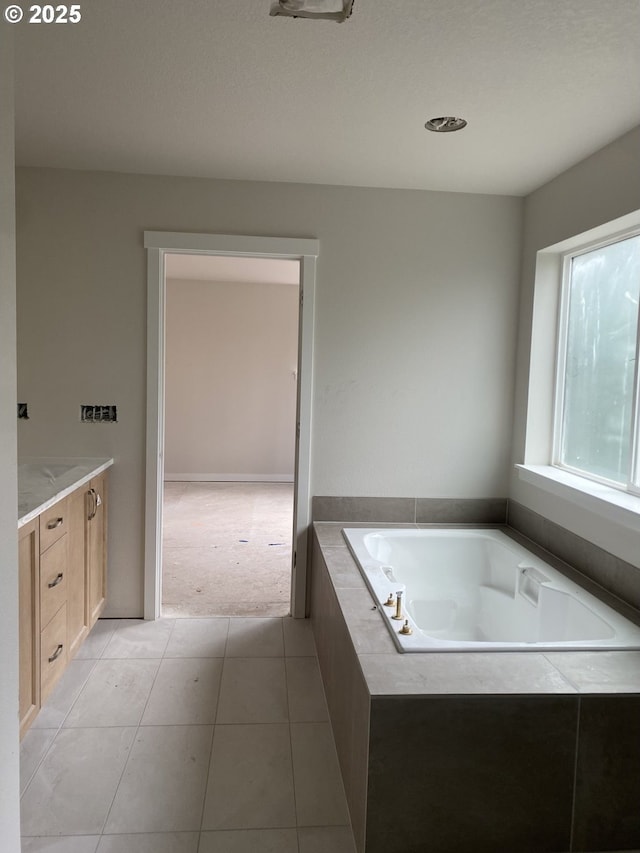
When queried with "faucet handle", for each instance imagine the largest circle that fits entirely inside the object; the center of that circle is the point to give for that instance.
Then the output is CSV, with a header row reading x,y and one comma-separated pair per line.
x,y
398,613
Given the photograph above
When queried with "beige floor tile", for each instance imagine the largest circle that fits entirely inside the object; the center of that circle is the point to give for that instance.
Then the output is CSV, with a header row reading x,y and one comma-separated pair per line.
x,y
185,692
298,637
115,694
253,690
198,638
250,779
307,703
135,638
97,641
65,693
255,638
33,748
250,841
72,789
164,842
320,799
326,839
163,785
61,844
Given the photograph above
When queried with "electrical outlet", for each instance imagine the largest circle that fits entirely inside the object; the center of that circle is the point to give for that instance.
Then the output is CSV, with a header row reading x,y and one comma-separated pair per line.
x,y
93,414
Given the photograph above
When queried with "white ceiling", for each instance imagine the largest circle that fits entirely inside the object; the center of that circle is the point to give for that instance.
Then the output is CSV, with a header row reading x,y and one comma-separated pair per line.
x,y
230,269
218,88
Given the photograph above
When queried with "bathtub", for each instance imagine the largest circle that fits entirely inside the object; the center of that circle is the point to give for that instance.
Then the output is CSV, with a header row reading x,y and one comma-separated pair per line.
x,y
479,590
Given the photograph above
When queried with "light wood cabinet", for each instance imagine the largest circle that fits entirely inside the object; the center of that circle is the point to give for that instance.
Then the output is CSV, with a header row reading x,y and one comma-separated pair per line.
x,y
77,604
62,567
29,618
96,546
54,653
54,564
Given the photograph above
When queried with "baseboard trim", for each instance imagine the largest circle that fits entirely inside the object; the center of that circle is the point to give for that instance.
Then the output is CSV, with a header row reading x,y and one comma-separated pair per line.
x,y
228,478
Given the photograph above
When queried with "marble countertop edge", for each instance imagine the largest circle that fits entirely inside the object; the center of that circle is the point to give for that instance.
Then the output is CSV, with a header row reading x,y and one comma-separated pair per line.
x,y
37,492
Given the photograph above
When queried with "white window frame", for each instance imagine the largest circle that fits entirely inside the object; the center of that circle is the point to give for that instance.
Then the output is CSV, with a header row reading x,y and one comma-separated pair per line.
x,y
566,262
538,467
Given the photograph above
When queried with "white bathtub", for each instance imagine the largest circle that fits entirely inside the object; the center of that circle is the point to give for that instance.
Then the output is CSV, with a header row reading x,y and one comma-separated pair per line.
x,y
479,590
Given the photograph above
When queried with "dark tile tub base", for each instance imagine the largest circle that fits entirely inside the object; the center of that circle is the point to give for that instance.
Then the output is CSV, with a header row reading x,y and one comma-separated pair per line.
x,y
499,772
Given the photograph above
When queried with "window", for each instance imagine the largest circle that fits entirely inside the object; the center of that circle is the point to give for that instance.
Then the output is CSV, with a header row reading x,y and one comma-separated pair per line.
x,y
596,421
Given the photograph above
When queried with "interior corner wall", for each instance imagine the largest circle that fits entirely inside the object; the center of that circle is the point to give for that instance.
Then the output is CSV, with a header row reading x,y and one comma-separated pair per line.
x,y
595,191
9,744
230,380
414,340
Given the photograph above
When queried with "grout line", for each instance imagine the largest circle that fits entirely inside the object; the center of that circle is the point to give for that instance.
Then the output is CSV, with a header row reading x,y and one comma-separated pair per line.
x,y
575,776
213,733
60,727
293,775
137,729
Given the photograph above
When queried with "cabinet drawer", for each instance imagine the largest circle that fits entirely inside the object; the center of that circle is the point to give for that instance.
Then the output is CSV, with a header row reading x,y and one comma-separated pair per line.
x,y
53,652
53,580
53,524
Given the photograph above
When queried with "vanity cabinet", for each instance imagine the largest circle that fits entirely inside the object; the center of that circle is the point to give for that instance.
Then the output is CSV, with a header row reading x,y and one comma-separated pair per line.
x,y
53,582
96,546
62,567
77,606
29,622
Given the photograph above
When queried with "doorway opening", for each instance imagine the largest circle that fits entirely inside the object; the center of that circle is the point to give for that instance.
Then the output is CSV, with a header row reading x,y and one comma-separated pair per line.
x,y
231,368
159,246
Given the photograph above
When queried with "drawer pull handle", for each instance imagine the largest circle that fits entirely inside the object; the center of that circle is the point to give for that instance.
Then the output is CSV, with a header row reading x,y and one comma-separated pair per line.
x,y
55,523
56,654
56,581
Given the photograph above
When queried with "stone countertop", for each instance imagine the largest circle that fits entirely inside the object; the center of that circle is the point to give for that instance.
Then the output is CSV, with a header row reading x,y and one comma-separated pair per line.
x,y
392,673
44,480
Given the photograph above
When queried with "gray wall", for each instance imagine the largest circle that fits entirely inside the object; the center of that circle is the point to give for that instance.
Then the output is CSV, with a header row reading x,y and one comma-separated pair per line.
x,y
9,766
230,380
597,190
416,307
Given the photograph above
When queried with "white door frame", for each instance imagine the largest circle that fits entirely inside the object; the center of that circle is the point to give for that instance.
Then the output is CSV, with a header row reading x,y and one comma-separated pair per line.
x,y
158,244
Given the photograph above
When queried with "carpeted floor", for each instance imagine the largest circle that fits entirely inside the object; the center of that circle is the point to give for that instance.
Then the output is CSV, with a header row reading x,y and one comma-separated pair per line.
x,y
227,549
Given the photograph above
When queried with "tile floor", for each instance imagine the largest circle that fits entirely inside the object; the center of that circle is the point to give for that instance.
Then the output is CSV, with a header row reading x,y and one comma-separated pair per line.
x,y
204,735
227,549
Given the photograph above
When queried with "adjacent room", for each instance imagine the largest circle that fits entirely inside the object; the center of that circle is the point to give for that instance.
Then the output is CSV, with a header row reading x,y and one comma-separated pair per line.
x,y
286,285
231,382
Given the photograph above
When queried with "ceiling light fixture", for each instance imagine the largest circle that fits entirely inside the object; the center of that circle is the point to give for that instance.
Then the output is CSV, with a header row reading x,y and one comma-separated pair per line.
x,y
445,124
323,10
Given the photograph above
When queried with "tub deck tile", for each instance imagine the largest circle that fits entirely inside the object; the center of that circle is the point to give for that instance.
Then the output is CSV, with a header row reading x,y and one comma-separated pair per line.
x,y
463,673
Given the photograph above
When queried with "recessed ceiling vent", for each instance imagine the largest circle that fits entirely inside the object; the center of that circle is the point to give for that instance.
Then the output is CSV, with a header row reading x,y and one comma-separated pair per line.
x,y
321,10
445,124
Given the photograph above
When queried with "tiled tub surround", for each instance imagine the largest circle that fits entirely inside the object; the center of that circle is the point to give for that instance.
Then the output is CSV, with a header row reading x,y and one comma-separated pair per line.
x,y
499,751
609,572
410,510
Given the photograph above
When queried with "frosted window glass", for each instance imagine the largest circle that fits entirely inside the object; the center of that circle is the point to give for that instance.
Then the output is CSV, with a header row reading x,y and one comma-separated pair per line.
x,y
600,360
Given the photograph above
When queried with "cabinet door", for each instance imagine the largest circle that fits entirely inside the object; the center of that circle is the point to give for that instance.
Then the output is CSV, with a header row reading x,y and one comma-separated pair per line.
x,y
29,617
96,544
77,609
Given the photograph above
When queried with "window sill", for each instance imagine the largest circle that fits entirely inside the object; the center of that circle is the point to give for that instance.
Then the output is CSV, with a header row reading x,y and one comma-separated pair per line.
x,y
610,504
